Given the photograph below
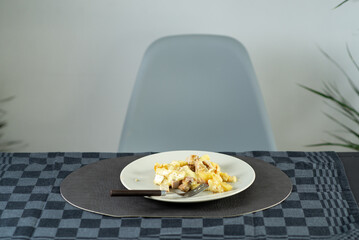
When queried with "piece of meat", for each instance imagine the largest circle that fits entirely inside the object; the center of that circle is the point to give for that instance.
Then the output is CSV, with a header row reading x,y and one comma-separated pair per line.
x,y
175,184
191,161
186,184
192,167
208,164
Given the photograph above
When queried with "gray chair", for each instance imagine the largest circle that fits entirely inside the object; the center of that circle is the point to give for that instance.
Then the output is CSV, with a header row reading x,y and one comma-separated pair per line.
x,y
196,92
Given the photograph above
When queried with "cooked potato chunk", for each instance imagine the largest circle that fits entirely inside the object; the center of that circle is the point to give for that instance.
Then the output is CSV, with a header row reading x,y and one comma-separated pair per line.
x,y
187,175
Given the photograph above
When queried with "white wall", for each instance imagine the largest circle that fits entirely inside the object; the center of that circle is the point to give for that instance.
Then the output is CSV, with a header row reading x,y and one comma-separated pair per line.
x,y
72,64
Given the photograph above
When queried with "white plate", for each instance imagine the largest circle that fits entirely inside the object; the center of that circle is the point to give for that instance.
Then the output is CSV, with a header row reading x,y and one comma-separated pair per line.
x,y
140,174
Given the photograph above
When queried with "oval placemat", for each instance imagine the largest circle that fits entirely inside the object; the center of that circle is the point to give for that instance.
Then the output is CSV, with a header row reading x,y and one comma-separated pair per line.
x,y
88,188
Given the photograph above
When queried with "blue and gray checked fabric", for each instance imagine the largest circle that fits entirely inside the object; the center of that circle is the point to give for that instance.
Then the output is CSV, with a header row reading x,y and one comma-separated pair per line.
x,y
321,205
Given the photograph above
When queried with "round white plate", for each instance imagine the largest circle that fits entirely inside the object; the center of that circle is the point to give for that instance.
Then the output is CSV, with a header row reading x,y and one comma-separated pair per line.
x,y
140,174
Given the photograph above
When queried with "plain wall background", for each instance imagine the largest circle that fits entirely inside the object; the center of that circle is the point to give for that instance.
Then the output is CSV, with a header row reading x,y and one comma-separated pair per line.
x,y
72,64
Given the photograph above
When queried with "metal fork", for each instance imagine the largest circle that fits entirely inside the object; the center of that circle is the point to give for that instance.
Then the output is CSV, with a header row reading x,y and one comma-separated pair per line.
x,y
118,193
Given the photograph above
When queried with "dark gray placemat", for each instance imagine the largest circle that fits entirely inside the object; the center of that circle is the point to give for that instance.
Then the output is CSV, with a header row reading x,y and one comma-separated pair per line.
x,y
88,188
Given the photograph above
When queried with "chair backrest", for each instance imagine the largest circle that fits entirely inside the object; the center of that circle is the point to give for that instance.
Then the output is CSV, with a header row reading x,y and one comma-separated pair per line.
x,y
196,92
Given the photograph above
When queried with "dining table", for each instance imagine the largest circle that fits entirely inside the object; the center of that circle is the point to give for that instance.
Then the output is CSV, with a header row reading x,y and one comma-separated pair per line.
x,y
322,202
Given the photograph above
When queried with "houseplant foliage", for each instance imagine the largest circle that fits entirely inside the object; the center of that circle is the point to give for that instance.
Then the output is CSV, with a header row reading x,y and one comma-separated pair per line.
x,y
337,100
5,145
341,3
340,103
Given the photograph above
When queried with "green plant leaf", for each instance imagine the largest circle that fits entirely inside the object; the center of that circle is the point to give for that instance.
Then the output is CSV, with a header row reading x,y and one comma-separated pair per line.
x,y
347,142
7,99
351,57
347,114
343,143
355,88
2,124
341,3
342,125
353,147
9,145
340,103
344,105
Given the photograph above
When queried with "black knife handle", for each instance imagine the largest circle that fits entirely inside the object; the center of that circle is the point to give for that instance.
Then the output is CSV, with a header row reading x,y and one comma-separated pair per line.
x,y
118,193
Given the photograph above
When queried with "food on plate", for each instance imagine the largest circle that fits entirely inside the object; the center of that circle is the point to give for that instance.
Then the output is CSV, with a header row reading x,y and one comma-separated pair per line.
x,y
187,175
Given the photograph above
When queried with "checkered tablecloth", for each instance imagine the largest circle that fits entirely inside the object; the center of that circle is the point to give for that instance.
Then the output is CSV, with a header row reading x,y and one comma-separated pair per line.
x,y
31,207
